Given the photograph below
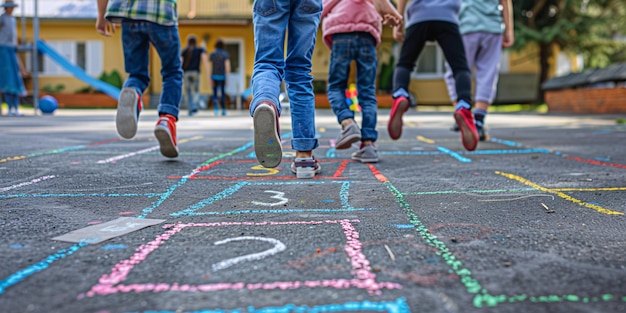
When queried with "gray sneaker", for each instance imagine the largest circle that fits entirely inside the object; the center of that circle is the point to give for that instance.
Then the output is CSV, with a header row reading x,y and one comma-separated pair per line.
x,y
367,154
349,135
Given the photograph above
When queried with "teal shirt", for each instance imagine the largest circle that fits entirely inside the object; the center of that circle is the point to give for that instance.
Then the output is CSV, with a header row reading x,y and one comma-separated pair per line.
x,y
484,16
162,12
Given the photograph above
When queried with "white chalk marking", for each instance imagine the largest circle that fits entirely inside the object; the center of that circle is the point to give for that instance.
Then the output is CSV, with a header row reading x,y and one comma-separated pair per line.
x,y
278,195
34,181
128,155
278,247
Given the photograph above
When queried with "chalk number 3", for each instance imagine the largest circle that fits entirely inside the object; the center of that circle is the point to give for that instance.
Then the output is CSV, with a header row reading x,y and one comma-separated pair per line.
x,y
277,195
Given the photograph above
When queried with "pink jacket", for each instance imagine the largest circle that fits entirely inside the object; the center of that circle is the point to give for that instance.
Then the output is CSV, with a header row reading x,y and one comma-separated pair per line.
x,y
345,16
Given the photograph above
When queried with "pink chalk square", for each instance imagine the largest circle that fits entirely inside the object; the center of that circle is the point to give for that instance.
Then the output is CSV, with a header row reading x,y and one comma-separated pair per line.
x,y
361,276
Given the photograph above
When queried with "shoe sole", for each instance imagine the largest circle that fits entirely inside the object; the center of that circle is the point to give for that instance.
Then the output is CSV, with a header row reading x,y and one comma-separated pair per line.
x,y
395,123
468,137
126,118
168,149
366,160
267,145
306,172
347,142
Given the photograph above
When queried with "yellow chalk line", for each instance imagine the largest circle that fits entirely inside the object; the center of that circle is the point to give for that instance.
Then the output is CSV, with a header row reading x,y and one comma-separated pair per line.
x,y
560,194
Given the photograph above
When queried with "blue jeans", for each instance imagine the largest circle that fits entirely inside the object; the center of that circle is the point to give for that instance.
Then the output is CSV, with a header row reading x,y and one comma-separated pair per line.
x,y
192,89
272,18
136,39
360,47
219,85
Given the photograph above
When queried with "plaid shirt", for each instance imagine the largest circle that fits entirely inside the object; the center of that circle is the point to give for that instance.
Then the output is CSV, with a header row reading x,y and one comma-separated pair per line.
x,y
162,12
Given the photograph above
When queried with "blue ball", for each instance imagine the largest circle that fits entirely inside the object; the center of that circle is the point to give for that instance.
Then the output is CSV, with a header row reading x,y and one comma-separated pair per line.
x,y
48,104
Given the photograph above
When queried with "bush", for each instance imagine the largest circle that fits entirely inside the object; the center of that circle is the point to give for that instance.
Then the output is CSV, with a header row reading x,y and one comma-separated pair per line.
x,y
49,89
114,78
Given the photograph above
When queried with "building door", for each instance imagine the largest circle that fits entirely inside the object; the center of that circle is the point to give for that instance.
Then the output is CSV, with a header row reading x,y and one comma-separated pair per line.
x,y
236,80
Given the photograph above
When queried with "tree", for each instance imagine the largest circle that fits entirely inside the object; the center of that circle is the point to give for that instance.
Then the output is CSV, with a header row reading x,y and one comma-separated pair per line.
x,y
582,27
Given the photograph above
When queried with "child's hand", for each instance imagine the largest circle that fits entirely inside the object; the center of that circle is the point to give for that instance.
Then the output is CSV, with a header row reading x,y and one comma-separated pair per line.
x,y
508,39
392,20
104,27
389,14
398,35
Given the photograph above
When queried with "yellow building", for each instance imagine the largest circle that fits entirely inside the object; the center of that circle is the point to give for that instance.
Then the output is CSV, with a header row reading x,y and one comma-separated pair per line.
x,y
231,21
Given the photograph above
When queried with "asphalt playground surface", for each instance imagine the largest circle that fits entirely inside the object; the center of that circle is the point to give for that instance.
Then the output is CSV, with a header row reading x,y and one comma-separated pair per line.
x,y
532,221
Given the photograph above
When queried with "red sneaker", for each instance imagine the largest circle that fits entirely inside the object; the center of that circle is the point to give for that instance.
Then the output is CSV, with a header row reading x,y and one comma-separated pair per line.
x,y
400,105
267,145
165,132
465,120
128,108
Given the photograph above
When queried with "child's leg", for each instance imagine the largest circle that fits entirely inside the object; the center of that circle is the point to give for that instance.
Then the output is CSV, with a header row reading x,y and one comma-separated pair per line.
x,y
136,46
215,89
166,41
194,92
487,69
270,20
472,45
12,100
341,55
269,56
414,41
222,85
302,29
451,44
366,65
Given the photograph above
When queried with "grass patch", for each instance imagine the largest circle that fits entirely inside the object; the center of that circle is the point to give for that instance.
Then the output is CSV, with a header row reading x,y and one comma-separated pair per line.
x,y
621,121
504,108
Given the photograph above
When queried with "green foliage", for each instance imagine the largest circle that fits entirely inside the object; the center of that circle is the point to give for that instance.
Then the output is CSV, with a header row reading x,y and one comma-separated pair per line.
x,y
385,78
319,87
50,89
576,26
113,78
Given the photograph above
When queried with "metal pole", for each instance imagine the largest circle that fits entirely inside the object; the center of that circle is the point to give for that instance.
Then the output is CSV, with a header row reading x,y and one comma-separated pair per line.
x,y
23,20
36,57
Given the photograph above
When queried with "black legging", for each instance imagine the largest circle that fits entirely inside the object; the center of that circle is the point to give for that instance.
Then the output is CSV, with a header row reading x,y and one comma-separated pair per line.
x,y
451,43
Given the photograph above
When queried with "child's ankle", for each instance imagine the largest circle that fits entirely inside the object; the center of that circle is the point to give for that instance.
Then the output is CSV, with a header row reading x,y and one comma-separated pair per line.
x,y
304,154
347,122
366,143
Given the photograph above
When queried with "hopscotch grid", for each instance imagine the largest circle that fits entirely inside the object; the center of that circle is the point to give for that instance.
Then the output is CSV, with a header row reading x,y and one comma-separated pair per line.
x,y
336,175
18,276
482,297
363,276
397,306
229,191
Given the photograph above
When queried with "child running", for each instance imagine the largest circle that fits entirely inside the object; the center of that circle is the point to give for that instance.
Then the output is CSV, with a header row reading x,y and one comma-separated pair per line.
x,y
143,23
429,20
352,30
487,28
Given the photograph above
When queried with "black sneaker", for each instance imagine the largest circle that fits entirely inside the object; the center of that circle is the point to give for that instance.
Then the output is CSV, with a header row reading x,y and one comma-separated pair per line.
x,y
455,128
480,128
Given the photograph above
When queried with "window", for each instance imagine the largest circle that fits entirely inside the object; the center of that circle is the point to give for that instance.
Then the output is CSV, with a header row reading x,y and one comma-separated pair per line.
x,y
430,63
85,54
